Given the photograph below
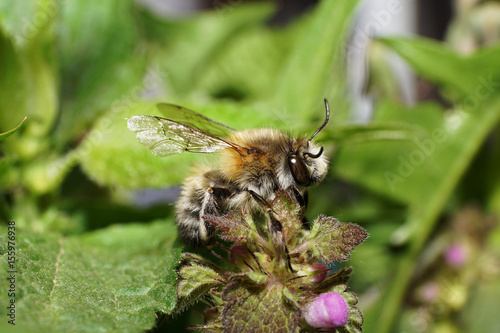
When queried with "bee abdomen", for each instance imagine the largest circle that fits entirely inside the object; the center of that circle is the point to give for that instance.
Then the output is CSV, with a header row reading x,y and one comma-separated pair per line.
x,y
203,195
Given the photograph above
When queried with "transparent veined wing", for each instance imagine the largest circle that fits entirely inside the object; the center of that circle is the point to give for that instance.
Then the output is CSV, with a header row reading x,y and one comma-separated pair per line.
x,y
193,119
165,137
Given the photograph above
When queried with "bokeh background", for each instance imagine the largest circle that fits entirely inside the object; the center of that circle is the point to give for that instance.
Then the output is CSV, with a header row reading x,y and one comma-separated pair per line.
x,y
414,88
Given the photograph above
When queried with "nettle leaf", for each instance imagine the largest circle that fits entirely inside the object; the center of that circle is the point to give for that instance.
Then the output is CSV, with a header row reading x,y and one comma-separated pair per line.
x,y
435,61
196,278
111,280
102,62
331,240
233,227
287,212
350,134
316,55
227,75
27,87
438,62
42,176
256,309
14,89
223,58
20,20
374,164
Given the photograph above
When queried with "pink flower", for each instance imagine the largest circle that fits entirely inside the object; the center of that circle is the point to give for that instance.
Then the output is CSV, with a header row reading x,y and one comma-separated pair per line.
x,y
328,310
455,255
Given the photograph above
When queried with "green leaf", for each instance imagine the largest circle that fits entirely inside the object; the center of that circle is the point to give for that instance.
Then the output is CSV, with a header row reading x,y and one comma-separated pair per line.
x,y
460,76
13,85
8,174
196,279
227,74
103,62
256,309
28,86
350,134
233,227
331,240
315,59
231,34
111,280
404,170
22,20
381,78
5,135
479,314
433,60
45,174
242,116
287,211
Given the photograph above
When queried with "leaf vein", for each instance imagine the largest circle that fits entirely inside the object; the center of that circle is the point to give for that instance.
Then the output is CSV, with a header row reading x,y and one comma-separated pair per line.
x,y
56,271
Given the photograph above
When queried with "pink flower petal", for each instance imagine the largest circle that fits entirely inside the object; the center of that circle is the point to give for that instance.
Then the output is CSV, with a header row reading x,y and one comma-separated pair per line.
x,y
328,310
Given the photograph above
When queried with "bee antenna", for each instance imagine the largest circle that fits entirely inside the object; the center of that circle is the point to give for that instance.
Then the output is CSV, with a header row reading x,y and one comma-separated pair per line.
x,y
327,107
315,156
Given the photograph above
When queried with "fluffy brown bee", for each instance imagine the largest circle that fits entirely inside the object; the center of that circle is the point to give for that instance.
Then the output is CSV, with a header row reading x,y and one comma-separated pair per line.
x,y
254,164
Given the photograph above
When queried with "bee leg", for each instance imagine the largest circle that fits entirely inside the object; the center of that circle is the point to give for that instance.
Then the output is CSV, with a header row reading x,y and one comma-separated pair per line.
x,y
275,230
302,200
200,197
303,217
214,202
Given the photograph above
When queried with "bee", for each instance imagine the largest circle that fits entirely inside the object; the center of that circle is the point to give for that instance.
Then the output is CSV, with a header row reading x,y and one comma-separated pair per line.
x,y
254,164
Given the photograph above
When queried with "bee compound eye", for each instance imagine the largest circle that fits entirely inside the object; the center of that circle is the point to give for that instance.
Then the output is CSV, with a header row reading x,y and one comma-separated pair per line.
x,y
299,170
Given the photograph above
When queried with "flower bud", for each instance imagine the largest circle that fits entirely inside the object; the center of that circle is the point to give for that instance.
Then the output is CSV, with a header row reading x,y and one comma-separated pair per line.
x,y
328,310
237,252
318,272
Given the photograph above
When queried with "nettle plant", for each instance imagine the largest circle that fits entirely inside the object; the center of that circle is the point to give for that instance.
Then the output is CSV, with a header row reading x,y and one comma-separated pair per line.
x,y
275,279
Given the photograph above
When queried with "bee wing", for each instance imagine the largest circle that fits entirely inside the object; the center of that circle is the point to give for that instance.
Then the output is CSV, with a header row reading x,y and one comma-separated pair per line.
x,y
194,120
165,137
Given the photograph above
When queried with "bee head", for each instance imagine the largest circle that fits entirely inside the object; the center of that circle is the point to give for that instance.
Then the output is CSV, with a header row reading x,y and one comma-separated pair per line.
x,y
307,164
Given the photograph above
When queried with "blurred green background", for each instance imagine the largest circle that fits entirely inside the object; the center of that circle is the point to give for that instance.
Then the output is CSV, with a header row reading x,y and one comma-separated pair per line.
x,y
413,139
